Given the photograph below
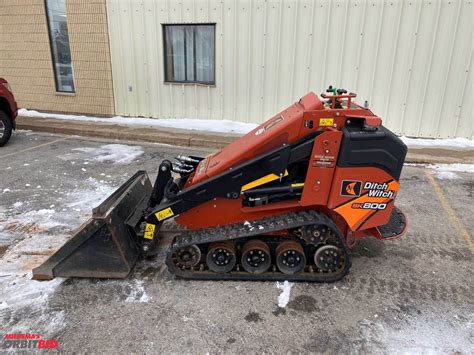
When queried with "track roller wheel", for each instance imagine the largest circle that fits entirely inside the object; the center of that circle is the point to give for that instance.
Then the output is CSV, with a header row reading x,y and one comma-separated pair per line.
x,y
290,257
221,256
256,256
187,257
329,258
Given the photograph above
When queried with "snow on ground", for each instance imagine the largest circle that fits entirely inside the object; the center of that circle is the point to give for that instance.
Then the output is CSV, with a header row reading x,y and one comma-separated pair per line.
x,y
227,126
20,220
456,167
448,171
83,200
137,293
448,143
284,296
222,126
24,303
447,175
420,334
116,153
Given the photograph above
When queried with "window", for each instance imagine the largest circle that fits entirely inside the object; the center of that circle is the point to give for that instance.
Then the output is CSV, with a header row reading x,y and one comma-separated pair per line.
x,y
59,42
189,53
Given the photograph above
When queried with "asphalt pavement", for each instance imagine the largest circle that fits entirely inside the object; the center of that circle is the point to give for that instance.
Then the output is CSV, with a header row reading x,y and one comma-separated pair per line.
x,y
413,294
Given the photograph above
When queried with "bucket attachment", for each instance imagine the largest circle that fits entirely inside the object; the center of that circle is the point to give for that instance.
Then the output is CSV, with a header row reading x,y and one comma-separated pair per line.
x,y
106,245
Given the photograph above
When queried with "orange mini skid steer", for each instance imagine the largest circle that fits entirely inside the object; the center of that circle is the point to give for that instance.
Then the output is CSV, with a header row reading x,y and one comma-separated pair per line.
x,y
287,201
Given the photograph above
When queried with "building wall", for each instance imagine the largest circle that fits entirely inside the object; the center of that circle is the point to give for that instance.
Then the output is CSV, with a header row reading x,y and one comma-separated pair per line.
x,y
412,60
25,56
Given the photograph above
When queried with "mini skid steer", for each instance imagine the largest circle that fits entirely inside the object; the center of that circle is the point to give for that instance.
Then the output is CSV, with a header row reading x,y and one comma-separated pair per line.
x,y
287,201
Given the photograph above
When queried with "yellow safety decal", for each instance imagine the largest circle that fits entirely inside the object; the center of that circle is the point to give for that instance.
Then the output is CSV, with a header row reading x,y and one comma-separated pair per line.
x,y
263,180
164,214
299,184
325,122
149,231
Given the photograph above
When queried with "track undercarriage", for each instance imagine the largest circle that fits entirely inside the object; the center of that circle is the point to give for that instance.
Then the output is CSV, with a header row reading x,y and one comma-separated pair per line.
x,y
299,246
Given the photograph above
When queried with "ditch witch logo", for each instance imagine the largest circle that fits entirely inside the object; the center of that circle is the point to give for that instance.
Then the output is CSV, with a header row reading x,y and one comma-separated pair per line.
x,y
374,189
351,188
27,341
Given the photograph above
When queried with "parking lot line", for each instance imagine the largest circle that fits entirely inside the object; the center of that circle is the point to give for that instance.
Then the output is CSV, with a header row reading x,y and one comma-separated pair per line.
x,y
455,221
35,147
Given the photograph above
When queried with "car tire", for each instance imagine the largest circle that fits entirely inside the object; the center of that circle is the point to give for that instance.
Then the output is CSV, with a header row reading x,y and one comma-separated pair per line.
x,y
6,124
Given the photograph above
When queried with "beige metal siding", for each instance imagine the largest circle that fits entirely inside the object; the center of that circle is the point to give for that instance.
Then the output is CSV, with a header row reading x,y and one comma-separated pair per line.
x,y
412,60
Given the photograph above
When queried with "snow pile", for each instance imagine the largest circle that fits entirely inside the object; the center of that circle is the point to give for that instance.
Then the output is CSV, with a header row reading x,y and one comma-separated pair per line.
x,y
284,296
117,153
138,293
448,143
222,126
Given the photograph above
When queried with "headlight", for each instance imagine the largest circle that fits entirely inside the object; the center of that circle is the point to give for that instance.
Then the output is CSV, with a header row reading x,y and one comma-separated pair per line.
x,y
7,86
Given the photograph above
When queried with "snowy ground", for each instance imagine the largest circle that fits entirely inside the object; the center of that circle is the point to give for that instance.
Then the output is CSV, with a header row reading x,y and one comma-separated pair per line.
x,y
451,171
447,143
32,229
412,295
42,200
447,171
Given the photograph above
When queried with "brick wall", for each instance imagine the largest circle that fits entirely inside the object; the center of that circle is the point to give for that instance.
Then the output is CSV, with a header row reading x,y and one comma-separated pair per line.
x,y
25,56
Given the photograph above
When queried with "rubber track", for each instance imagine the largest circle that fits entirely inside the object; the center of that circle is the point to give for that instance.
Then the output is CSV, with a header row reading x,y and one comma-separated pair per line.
x,y
253,229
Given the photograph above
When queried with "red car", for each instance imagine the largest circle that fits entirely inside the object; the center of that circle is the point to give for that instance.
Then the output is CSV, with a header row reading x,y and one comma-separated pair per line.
x,y
8,112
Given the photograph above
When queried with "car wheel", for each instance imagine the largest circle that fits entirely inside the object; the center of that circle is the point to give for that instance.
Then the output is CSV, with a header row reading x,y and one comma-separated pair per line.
x,y
5,128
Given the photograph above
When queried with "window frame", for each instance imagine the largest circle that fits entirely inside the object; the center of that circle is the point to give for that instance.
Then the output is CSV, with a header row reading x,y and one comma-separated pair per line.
x,y
165,57
51,49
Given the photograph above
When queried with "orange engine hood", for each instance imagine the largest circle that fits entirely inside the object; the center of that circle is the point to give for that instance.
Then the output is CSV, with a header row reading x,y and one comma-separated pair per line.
x,y
284,127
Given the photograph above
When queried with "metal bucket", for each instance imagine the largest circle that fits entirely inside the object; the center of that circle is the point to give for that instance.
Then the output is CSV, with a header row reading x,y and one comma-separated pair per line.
x,y
106,245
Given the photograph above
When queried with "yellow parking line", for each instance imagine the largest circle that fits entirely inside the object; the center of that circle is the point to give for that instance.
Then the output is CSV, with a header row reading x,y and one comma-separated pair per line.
x,y
32,148
455,221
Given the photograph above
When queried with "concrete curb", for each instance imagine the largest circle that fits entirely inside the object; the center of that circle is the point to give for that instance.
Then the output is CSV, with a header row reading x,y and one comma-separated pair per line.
x,y
199,139
150,134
